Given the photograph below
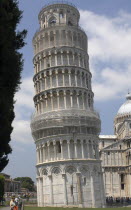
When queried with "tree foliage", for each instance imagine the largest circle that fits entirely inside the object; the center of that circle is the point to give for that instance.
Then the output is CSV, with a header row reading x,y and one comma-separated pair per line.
x,y
26,182
11,65
2,181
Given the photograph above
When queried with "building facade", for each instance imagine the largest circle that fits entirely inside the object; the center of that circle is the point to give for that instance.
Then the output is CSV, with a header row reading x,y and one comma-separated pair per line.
x,y
115,153
11,185
65,126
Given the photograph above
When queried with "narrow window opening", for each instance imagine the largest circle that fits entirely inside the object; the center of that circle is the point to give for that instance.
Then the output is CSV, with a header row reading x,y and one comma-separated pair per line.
x,y
58,147
108,153
61,15
122,177
70,23
48,65
120,146
71,187
122,186
43,19
51,38
103,143
52,21
84,180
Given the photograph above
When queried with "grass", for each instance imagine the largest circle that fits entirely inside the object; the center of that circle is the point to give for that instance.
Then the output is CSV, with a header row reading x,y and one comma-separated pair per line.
x,y
60,208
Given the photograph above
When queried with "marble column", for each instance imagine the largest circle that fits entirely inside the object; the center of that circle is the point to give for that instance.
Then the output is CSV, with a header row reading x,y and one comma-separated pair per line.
x,y
79,60
61,143
35,68
54,38
88,152
68,144
85,81
48,145
45,81
64,187
101,184
46,100
63,77
76,83
68,61
41,190
51,96
55,155
43,147
81,79
110,158
56,63
75,145
41,104
69,72
37,153
50,59
118,158
50,74
73,58
51,189
40,63
83,63
65,100
71,99
58,100
40,154
111,189
66,35
62,62
56,72
38,192
82,149
79,189
92,190
96,151
83,100
78,104
49,39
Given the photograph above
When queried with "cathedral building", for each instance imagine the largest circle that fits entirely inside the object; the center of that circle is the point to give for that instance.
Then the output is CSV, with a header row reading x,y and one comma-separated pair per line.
x,y
65,126
115,153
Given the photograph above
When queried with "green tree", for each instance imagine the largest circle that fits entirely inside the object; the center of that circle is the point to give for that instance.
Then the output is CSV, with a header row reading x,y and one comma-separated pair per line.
x,y
2,181
11,65
26,182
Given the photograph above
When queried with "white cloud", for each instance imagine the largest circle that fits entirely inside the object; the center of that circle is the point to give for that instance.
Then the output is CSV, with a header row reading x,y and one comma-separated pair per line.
x,y
24,97
24,108
108,37
110,53
22,131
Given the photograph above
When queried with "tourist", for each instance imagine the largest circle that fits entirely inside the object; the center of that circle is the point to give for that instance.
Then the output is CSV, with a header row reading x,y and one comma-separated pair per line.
x,y
12,204
19,203
16,202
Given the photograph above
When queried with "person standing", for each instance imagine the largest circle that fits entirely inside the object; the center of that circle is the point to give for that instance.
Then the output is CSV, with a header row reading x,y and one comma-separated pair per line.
x,y
12,204
19,203
16,203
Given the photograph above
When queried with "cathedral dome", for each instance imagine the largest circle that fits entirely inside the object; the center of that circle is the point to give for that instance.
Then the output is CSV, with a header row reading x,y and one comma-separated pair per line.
x,y
126,107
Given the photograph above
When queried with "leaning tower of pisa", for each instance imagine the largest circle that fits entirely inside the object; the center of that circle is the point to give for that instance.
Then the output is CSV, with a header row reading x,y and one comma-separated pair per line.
x,y
65,126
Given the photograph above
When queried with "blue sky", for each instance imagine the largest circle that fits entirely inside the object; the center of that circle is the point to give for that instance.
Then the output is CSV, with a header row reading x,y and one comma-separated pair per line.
x,y
108,26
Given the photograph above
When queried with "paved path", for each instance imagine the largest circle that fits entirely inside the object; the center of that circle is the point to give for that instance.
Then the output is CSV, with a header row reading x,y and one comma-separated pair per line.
x,y
5,208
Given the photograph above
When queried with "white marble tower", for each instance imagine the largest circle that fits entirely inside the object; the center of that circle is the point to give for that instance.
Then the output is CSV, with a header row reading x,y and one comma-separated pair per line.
x,y
65,126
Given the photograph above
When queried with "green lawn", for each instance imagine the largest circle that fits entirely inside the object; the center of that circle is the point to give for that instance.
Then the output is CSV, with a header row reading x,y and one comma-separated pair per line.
x,y
60,208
